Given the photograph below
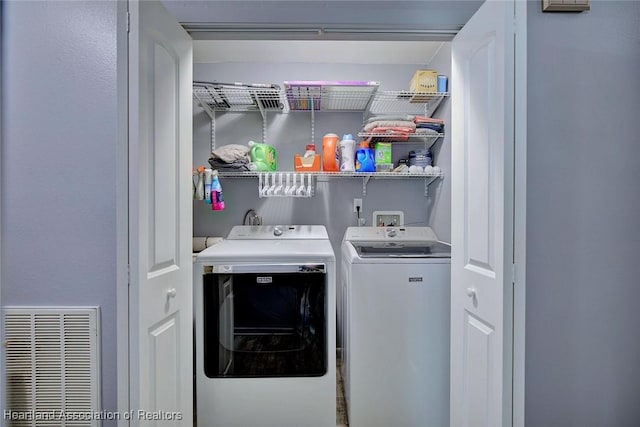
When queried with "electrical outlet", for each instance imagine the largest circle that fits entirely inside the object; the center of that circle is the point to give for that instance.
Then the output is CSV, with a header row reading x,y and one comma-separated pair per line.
x,y
357,203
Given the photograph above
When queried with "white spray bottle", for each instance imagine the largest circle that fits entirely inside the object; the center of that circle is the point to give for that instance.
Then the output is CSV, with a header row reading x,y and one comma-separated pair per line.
x,y
200,184
207,186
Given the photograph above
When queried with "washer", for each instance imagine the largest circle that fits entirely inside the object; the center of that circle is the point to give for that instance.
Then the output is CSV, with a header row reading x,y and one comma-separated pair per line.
x,y
265,329
395,302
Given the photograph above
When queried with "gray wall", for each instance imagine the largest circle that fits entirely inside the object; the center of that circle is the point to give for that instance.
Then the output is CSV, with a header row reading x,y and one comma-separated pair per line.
x,y
583,210
583,344
440,191
59,162
333,203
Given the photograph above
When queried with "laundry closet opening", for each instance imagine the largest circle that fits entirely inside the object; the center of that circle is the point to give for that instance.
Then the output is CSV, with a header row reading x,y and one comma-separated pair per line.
x,y
409,198
392,64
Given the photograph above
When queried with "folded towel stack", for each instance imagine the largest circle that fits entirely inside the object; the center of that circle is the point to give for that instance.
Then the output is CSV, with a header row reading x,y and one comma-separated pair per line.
x,y
423,122
399,128
230,158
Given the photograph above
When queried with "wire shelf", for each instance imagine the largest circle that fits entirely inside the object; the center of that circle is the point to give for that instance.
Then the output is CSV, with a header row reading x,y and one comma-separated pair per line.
x,y
275,184
315,97
325,96
239,99
399,138
391,175
393,102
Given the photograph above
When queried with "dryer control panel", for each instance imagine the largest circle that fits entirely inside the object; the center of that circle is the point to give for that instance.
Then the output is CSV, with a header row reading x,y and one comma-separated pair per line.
x,y
279,232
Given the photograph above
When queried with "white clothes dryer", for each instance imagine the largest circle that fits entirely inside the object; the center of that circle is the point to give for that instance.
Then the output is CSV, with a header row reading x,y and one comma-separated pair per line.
x,y
395,290
265,329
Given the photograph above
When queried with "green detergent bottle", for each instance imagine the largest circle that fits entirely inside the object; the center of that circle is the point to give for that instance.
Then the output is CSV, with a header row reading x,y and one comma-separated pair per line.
x,y
263,156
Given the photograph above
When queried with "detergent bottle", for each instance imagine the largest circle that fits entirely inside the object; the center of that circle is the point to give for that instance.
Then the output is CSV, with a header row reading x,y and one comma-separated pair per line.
x,y
347,150
330,158
263,156
365,161
217,202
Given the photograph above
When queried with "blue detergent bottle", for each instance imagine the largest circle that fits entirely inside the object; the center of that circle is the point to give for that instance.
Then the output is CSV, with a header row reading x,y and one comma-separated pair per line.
x,y
365,160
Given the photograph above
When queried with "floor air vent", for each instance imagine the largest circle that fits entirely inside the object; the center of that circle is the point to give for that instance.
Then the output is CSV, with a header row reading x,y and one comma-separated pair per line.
x,y
52,366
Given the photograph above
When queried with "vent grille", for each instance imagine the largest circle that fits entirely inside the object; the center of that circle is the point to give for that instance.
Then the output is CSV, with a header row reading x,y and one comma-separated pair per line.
x,y
52,366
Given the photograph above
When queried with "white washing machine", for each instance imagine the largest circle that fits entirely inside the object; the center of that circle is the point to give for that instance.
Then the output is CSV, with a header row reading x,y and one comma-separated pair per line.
x,y
265,329
395,288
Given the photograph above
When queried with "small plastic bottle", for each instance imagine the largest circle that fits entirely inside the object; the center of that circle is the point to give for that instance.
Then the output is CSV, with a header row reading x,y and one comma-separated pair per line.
x,y
217,202
311,150
207,186
194,180
200,184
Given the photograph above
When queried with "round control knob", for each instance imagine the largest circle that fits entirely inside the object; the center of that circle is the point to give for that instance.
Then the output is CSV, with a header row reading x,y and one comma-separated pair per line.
x,y
392,232
171,293
277,231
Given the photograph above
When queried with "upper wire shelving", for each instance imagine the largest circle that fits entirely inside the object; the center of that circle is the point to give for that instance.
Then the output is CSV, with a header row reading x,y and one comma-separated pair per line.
x,y
242,98
329,95
321,97
405,102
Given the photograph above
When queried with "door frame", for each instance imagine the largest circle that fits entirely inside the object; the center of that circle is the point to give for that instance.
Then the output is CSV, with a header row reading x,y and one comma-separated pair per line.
x,y
122,212
2,381
519,209
519,212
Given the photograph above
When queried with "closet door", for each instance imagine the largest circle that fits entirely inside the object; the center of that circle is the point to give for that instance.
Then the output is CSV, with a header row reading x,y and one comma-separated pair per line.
x,y
160,218
482,218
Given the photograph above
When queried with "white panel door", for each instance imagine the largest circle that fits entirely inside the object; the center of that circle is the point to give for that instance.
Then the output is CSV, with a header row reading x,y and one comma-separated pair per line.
x,y
161,342
482,218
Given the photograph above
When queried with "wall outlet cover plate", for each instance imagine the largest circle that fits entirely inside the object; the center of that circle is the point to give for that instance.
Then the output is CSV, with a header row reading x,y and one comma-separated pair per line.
x,y
388,218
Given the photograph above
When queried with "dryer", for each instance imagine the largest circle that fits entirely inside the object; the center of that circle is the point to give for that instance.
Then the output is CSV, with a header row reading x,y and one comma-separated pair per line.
x,y
265,329
395,296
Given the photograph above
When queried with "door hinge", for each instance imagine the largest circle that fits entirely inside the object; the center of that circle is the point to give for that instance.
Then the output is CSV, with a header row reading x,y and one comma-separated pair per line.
x,y
128,275
128,22
513,273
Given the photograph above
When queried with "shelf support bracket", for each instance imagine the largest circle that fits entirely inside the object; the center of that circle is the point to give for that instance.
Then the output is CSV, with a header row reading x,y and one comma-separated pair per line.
x,y
365,181
263,113
262,110
213,131
264,128
207,109
212,115
313,122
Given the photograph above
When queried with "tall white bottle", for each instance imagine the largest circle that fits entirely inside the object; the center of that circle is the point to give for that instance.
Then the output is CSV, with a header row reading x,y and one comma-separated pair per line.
x,y
207,186
200,184
347,150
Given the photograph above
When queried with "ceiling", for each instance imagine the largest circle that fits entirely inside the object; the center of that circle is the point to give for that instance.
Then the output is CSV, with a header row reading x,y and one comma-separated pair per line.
x,y
435,20
314,51
424,13
314,31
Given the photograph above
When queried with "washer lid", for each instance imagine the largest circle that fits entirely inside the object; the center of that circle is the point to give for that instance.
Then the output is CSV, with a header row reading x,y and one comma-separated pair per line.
x,y
279,232
431,249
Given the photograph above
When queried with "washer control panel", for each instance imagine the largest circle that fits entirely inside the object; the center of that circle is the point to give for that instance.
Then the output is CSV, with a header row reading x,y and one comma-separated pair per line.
x,y
405,234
